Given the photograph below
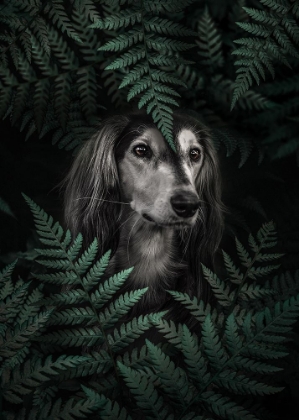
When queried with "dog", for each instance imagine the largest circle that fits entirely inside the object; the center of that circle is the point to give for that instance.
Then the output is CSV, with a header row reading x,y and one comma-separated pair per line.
x,y
157,209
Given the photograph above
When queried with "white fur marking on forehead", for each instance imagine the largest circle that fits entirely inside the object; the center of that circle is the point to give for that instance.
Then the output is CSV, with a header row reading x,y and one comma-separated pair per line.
x,y
186,138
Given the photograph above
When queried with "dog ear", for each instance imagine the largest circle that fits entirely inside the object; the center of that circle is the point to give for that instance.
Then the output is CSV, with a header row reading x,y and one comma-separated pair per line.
x,y
207,232
92,187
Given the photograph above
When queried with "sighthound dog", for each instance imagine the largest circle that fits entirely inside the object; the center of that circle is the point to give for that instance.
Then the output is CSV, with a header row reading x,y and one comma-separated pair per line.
x,y
156,209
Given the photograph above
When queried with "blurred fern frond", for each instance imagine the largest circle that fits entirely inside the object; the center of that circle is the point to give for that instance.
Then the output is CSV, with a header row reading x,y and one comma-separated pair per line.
x,y
275,38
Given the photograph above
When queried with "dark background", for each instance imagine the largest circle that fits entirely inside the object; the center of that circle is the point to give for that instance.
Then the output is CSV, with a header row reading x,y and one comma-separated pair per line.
x,y
258,191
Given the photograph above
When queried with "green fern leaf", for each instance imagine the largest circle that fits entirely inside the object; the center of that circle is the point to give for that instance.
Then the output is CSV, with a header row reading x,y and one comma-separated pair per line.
x,y
85,261
119,20
225,407
173,379
134,75
221,291
135,54
243,254
9,307
241,363
106,290
129,332
73,316
62,89
166,27
241,384
22,334
212,344
75,408
25,41
254,291
252,243
95,273
233,340
170,330
198,309
196,363
76,337
40,30
275,38
62,277
7,271
20,101
71,297
123,41
253,272
144,393
30,308
57,14
235,275
209,43
88,94
111,410
120,307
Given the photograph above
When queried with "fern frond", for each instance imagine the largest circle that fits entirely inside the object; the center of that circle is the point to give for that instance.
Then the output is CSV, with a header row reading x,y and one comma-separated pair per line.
x,y
17,338
58,16
73,316
141,62
119,20
221,291
240,384
212,344
62,88
234,272
198,309
225,408
144,392
75,337
173,379
110,409
209,43
6,272
129,332
195,361
276,38
120,307
106,290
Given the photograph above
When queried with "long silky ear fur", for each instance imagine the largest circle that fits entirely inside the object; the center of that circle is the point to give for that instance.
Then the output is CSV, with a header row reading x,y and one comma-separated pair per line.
x,y
93,179
207,233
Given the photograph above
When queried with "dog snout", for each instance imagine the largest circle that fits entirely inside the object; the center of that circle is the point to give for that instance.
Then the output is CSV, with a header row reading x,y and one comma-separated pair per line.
x,y
185,204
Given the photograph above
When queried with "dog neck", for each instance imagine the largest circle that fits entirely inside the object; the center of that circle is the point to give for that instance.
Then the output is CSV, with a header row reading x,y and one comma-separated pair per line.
x,y
153,251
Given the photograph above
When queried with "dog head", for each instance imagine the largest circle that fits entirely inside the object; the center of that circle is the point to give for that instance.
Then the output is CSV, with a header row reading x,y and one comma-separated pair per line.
x,y
129,161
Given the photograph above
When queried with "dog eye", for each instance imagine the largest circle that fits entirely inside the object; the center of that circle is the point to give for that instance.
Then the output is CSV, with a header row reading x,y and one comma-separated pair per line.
x,y
142,151
195,154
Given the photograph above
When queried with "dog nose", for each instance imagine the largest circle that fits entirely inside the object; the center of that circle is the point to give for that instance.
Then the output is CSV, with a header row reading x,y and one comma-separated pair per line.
x,y
185,205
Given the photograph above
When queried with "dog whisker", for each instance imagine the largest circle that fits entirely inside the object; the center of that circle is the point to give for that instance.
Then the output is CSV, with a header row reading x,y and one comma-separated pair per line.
x,y
101,199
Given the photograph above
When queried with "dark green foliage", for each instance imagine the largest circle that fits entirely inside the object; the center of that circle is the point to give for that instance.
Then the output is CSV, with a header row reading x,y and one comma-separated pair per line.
x,y
62,65
278,35
67,346
234,352
142,52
